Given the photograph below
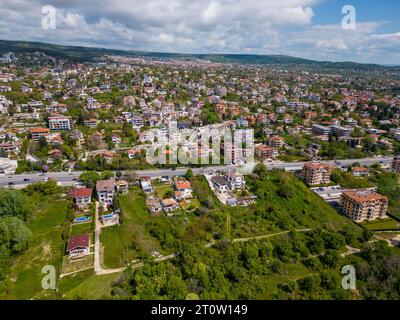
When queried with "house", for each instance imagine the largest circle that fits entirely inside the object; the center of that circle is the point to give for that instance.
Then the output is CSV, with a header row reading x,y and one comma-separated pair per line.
x,y
146,185
105,191
183,190
116,139
122,186
169,205
82,197
132,153
359,171
220,183
154,205
78,246
235,181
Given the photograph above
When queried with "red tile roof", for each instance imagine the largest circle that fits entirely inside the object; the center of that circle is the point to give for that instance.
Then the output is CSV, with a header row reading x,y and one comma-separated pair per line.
x,y
79,241
82,193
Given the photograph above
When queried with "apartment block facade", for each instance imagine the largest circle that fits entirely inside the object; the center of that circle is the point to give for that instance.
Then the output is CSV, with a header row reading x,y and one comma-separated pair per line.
x,y
363,205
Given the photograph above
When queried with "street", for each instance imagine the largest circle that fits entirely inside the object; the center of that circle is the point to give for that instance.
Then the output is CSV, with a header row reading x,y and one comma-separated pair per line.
x,y
67,179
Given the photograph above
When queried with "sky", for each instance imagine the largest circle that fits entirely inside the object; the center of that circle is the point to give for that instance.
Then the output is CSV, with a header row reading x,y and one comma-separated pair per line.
x,y
302,28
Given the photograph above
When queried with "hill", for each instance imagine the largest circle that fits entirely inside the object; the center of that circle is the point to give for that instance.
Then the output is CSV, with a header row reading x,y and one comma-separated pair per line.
x,y
81,54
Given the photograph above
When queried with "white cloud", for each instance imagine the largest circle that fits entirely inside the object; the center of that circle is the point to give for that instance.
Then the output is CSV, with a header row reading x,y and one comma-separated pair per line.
x,y
202,26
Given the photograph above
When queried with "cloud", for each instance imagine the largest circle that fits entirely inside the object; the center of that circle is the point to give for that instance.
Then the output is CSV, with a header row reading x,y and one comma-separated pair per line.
x,y
197,26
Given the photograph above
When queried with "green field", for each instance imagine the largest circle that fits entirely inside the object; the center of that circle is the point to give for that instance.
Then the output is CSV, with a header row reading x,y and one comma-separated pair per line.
x,y
47,247
124,243
86,285
381,225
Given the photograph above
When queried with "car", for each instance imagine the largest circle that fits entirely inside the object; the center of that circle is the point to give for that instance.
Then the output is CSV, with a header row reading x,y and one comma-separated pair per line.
x,y
27,180
11,183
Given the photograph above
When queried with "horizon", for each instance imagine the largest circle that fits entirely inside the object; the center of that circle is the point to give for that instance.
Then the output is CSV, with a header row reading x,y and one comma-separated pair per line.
x,y
320,30
202,54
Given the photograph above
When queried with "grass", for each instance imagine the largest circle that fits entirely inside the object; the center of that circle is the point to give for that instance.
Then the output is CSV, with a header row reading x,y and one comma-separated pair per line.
x,y
124,243
162,190
274,213
70,266
46,248
87,286
381,225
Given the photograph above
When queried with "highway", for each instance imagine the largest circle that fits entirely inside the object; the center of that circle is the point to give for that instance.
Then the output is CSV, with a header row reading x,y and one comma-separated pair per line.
x,y
71,178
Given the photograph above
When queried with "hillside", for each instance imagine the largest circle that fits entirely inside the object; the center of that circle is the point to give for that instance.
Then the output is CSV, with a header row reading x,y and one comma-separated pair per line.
x,y
81,54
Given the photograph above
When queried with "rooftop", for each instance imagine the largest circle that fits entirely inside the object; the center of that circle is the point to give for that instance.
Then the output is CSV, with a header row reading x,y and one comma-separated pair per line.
x,y
361,196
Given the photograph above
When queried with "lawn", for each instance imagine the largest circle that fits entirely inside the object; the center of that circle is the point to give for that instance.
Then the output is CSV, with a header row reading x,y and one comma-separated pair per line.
x,y
87,286
124,243
162,190
381,225
46,248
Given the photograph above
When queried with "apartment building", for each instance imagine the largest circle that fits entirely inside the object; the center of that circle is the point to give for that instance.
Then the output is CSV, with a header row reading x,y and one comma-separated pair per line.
x,y
37,133
265,152
363,205
321,130
317,173
60,123
276,142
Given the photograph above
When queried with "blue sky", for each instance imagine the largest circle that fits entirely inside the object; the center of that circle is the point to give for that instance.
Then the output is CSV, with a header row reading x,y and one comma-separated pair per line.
x,y
303,28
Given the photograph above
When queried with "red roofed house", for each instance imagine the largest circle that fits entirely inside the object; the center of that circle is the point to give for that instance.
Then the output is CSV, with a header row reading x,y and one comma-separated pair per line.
x,y
78,246
183,190
359,171
36,133
82,197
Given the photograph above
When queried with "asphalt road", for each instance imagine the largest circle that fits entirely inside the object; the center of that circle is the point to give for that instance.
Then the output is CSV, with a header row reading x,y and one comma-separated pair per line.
x,y
71,178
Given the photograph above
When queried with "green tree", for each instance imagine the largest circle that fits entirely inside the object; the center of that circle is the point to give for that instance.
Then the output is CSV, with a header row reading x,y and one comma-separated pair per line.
x,y
89,178
13,203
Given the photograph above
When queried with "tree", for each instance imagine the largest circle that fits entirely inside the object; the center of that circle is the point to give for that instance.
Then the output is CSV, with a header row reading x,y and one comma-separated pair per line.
x,y
107,175
189,174
13,203
89,178
14,234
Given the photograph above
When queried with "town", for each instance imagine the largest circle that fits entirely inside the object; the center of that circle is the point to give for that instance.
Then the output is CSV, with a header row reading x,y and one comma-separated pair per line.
x,y
78,136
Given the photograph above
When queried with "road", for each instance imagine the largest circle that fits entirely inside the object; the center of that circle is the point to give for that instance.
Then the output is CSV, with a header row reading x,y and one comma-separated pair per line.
x,y
71,178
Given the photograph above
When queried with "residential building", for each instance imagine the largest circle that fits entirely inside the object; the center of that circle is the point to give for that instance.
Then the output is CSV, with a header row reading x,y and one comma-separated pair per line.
x,y
169,205
37,133
321,130
264,152
105,191
363,205
60,123
220,184
78,246
276,142
82,197
359,171
316,173
183,190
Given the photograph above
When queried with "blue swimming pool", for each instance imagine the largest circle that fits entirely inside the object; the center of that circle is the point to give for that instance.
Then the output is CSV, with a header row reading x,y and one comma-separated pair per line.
x,y
82,219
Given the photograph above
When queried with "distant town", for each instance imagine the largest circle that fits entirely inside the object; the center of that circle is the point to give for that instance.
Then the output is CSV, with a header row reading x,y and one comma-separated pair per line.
x,y
74,146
